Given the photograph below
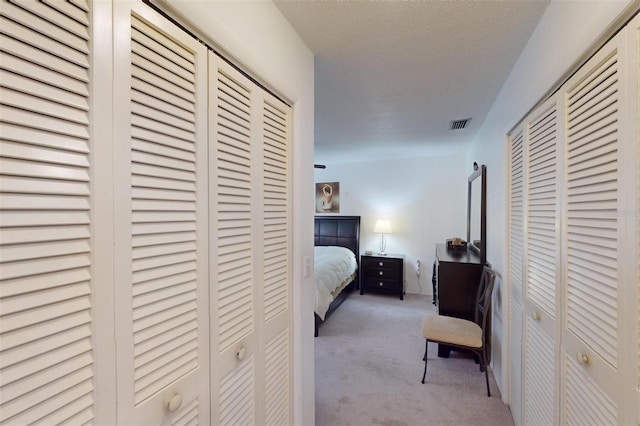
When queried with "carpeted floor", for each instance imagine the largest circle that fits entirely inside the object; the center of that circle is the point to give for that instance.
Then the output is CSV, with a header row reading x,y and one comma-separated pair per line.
x,y
369,366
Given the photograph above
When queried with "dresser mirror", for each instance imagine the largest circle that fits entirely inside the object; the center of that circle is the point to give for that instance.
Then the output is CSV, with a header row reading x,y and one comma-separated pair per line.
x,y
477,212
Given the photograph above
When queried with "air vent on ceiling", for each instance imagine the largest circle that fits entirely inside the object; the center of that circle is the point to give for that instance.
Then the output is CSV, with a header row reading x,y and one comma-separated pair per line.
x,y
459,124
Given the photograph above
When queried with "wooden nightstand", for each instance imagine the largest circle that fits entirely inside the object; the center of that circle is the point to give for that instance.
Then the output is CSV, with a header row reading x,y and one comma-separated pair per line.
x,y
382,273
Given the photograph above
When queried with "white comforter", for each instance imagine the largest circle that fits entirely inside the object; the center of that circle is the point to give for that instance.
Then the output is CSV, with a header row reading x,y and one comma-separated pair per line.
x,y
333,266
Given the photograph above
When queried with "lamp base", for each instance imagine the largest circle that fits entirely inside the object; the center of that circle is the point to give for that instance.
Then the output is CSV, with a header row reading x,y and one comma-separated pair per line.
x,y
383,245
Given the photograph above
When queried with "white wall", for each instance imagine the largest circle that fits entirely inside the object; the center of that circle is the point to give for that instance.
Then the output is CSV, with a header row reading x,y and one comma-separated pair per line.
x,y
262,41
425,199
565,31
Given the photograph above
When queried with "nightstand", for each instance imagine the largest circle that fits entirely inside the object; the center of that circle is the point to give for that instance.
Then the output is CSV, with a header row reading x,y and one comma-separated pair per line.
x,y
382,273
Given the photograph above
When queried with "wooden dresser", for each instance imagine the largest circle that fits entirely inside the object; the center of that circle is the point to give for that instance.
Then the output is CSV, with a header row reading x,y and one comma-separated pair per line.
x,y
457,276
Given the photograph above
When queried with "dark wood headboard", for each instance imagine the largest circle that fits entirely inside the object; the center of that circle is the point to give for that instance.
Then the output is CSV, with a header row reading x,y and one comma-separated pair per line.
x,y
343,231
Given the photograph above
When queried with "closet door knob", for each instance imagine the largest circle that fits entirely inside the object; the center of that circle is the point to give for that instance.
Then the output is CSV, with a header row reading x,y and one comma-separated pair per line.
x,y
537,316
240,353
582,358
174,402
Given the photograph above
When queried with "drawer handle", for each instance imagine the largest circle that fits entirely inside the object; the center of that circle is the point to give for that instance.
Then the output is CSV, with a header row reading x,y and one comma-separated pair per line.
x,y
582,358
381,284
380,263
537,316
380,273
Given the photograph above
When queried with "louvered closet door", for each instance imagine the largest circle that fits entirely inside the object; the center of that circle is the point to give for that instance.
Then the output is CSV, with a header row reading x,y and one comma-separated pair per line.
x,y
161,221
632,35
542,261
275,278
593,235
516,253
250,251
46,356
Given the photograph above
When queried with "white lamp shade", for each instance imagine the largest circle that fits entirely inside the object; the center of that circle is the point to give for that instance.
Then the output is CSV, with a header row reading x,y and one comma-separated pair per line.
x,y
382,227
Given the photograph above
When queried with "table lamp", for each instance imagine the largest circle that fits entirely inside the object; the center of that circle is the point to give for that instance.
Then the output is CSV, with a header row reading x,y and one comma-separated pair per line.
x,y
382,227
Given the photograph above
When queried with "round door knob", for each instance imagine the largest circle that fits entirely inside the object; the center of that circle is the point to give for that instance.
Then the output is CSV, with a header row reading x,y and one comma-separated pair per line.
x,y
174,402
240,353
582,358
537,316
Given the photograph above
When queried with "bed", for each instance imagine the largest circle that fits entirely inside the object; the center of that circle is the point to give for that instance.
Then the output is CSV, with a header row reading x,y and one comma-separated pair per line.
x,y
331,287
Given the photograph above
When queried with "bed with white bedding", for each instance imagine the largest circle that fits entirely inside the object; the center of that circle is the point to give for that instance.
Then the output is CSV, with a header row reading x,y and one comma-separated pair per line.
x,y
337,241
335,268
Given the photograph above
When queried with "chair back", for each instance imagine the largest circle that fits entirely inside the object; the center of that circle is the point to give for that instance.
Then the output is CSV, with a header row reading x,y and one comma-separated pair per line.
x,y
483,298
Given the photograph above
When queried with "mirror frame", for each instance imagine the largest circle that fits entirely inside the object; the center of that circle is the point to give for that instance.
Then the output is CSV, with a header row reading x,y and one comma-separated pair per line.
x,y
482,249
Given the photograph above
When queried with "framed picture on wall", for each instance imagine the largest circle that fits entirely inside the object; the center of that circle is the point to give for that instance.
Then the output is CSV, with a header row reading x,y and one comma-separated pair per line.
x,y
328,197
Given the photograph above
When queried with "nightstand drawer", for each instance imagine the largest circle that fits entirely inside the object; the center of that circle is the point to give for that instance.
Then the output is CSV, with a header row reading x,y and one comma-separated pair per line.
x,y
376,263
384,284
389,273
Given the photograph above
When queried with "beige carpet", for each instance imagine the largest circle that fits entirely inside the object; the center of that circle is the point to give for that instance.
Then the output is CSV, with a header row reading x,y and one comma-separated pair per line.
x,y
369,366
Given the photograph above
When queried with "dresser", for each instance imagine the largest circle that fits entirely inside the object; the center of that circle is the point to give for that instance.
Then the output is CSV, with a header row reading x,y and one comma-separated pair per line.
x,y
382,273
457,276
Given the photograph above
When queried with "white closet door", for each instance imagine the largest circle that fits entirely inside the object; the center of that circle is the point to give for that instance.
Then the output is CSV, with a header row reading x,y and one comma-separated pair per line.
x,y
250,251
633,53
233,234
516,273
161,220
275,277
46,354
593,236
542,261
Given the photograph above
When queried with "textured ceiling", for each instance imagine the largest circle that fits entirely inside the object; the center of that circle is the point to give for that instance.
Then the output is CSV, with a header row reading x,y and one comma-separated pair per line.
x,y
391,75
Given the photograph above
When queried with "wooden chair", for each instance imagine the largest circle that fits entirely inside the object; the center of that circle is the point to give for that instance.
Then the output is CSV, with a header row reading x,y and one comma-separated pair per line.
x,y
461,333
